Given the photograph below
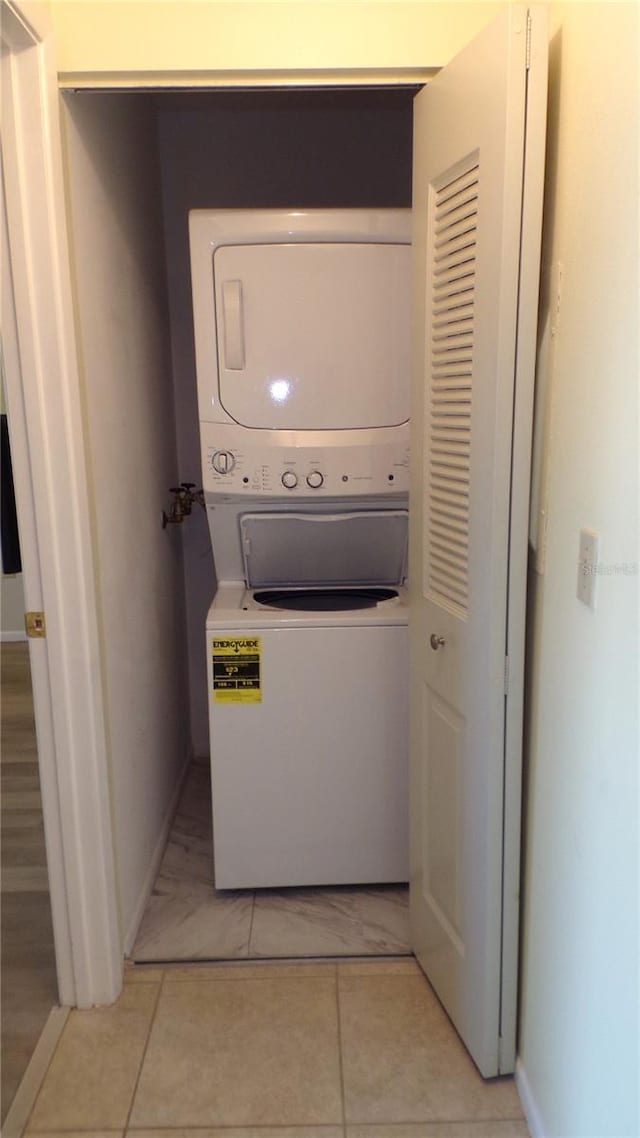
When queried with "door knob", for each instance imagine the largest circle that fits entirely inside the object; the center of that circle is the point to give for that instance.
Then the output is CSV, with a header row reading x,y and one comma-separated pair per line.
x,y
436,641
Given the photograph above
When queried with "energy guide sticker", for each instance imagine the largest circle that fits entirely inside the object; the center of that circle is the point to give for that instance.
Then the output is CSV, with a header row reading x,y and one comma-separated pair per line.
x,y
236,669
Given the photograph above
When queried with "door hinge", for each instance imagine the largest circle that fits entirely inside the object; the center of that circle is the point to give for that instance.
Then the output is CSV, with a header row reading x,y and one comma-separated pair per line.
x,y
528,43
506,675
34,624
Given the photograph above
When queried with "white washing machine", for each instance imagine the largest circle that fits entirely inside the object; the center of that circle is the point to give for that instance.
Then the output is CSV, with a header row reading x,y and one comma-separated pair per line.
x,y
308,691
302,349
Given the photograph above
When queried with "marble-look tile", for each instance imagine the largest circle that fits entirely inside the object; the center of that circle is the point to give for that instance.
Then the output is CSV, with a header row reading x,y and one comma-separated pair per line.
x,y
91,1079
495,1129
330,922
186,917
195,801
403,1061
188,856
195,923
261,1052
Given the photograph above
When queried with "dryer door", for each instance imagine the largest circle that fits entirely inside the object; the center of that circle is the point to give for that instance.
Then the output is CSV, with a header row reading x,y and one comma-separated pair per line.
x,y
313,336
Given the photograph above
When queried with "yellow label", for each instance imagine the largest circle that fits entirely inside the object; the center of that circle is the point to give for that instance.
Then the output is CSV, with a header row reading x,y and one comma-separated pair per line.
x,y
236,669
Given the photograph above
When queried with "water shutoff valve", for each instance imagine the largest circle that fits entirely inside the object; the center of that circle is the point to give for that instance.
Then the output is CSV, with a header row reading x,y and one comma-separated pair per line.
x,y
184,497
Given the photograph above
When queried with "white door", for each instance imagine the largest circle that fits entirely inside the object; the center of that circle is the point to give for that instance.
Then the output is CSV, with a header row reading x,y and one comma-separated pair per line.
x,y
478,126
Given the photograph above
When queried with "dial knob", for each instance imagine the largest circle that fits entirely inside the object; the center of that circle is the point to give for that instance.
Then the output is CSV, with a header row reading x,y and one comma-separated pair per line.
x,y
315,479
289,479
223,461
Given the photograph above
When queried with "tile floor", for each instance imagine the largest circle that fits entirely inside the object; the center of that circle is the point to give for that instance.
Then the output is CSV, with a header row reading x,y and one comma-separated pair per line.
x,y
326,1050
29,982
188,919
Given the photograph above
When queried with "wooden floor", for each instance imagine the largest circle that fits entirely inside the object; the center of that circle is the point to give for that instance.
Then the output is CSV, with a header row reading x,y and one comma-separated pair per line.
x,y
29,987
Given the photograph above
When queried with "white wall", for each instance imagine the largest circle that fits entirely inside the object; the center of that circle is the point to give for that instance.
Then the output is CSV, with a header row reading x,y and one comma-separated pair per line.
x,y
248,151
120,285
580,1011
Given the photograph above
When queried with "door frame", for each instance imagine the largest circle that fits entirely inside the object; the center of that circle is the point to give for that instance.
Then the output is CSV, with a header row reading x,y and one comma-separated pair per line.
x,y
44,396
44,399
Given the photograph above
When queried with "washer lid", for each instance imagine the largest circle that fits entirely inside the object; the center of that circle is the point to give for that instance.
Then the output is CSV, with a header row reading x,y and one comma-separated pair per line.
x,y
360,548
314,336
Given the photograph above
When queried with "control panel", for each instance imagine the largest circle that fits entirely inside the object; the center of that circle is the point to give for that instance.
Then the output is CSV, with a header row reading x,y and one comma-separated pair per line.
x,y
231,467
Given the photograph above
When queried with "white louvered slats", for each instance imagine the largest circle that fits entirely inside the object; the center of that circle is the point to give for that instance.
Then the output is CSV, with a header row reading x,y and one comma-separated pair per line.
x,y
450,313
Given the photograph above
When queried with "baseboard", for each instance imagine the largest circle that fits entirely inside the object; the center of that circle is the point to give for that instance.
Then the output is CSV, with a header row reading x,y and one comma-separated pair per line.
x,y
154,864
11,637
531,1111
26,1094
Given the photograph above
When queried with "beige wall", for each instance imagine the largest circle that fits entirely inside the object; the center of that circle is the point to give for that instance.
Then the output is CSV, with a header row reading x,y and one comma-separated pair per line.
x,y
579,1021
196,36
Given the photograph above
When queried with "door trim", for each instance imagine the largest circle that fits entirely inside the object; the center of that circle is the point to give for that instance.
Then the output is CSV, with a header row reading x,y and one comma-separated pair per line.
x,y
243,80
71,712
525,365
52,489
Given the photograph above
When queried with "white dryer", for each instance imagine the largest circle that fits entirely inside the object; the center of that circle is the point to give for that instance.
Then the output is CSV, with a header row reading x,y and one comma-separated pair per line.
x,y
302,348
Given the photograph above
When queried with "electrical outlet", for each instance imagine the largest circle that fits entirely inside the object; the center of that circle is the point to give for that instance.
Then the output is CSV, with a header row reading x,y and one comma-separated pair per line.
x,y
587,567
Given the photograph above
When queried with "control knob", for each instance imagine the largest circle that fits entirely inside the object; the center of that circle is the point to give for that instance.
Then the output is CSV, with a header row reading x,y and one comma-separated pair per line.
x,y
289,479
315,479
223,461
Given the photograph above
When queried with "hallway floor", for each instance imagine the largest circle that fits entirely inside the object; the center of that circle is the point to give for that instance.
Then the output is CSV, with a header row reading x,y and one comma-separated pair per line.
x,y
187,919
361,1049
29,981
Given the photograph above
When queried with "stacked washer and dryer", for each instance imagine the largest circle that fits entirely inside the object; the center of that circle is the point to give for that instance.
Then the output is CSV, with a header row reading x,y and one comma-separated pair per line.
x,y
302,353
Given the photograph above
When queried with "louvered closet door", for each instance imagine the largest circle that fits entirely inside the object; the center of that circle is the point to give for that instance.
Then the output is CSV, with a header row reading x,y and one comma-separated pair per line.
x,y
453,237
469,149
